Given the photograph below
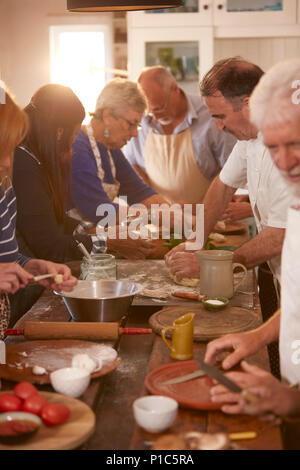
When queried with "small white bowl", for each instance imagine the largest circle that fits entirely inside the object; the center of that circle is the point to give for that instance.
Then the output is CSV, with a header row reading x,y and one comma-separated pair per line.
x,y
155,413
70,381
19,416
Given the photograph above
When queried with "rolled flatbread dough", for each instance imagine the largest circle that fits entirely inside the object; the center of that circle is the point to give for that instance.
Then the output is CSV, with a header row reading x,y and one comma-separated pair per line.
x,y
185,281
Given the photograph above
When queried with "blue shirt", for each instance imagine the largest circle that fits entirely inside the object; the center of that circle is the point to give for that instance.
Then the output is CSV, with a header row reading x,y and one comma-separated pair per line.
x,y
9,252
86,187
211,147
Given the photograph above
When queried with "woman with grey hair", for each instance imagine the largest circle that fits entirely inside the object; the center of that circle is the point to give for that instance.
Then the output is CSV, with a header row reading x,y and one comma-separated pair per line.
x,y
100,171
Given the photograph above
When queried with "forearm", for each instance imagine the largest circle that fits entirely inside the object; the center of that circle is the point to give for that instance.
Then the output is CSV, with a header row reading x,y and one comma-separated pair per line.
x,y
215,202
269,331
142,174
267,244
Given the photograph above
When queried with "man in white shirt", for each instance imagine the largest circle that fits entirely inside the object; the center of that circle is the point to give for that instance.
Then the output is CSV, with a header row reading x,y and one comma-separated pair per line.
x,y
226,89
275,110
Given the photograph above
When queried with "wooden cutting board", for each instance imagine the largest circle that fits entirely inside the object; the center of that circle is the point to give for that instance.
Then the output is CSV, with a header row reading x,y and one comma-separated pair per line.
x,y
50,354
70,435
207,325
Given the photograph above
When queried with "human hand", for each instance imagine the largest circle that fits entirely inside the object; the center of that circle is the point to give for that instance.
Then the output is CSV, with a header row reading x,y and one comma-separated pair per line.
x,y
183,265
242,344
177,249
13,277
274,398
240,197
38,267
237,211
129,248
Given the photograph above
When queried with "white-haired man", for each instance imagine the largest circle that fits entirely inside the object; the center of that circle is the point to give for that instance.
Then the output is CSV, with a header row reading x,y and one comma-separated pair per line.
x,y
275,110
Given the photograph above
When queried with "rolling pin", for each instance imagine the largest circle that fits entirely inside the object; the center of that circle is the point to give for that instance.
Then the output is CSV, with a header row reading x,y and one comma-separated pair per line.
x,y
189,295
79,330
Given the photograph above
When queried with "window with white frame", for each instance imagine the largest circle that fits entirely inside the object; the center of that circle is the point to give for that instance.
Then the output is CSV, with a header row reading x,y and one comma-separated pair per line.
x,y
81,58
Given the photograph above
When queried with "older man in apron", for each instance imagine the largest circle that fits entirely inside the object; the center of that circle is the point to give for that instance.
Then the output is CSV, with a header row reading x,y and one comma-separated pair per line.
x,y
178,150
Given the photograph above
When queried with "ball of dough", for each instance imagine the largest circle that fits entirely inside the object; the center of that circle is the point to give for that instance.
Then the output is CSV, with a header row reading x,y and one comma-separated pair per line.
x,y
83,361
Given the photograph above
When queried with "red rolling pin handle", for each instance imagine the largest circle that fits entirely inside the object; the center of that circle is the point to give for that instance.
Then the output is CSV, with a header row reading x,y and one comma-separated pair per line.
x,y
135,331
188,295
15,332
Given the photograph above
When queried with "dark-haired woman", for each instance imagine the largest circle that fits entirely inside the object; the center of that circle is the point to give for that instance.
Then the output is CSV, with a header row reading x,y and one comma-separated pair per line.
x,y
55,115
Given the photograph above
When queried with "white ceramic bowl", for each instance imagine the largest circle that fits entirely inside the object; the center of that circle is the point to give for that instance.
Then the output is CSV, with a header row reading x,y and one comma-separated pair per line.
x,y
155,413
70,381
19,416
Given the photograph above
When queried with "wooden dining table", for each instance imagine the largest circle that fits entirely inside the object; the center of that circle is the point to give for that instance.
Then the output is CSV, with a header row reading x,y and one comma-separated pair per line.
x,y
111,396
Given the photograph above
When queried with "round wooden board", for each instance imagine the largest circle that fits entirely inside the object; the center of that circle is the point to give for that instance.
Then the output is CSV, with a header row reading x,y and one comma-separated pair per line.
x,y
207,325
193,394
54,354
70,435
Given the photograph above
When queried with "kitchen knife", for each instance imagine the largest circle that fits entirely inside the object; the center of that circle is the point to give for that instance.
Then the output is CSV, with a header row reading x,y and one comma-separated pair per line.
x,y
217,375
185,378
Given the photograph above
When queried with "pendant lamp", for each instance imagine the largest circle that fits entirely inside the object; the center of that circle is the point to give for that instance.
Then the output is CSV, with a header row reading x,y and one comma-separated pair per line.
x,y
117,5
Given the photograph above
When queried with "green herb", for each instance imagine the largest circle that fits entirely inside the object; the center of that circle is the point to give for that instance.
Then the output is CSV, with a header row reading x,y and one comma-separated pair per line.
x,y
211,246
174,240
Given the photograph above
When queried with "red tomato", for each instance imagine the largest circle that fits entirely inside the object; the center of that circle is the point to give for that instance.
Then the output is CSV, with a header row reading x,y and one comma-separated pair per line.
x,y
34,404
53,414
9,402
24,390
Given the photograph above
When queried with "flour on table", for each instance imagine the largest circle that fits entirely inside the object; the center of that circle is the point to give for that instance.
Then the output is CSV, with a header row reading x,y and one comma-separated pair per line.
x,y
156,293
52,358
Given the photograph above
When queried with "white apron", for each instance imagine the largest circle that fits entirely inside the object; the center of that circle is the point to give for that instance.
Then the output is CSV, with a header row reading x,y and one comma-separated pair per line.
x,y
111,189
172,169
289,338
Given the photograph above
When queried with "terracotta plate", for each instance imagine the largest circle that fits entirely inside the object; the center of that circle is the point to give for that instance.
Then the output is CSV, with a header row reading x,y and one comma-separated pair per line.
x,y
50,354
77,430
191,394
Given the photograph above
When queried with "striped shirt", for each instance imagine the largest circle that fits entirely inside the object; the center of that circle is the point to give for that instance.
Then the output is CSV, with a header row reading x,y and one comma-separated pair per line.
x,y
9,252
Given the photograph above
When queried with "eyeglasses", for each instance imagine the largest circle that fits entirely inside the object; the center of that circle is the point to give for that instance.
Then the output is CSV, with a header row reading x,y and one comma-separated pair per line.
x,y
161,110
132,126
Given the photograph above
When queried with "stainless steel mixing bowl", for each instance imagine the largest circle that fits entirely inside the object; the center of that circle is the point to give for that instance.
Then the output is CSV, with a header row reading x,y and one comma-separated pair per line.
x,y
101,301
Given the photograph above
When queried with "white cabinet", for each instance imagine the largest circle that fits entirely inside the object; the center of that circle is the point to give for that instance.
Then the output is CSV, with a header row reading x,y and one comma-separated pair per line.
x,y
196,13
254,12
185,40
220,13
187,53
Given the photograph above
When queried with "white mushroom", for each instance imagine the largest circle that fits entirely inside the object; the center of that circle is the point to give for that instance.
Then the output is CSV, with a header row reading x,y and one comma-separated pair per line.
x,y
38,370
83,361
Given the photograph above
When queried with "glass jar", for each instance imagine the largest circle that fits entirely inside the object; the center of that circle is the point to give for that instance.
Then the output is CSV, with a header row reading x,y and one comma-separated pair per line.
x,y
100,266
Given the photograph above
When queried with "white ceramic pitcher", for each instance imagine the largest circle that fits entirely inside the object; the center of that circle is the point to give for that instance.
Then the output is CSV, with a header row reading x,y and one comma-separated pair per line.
x,y
216,273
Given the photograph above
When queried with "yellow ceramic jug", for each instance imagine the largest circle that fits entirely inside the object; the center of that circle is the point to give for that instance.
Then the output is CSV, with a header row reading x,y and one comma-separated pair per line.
x,y
182,338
